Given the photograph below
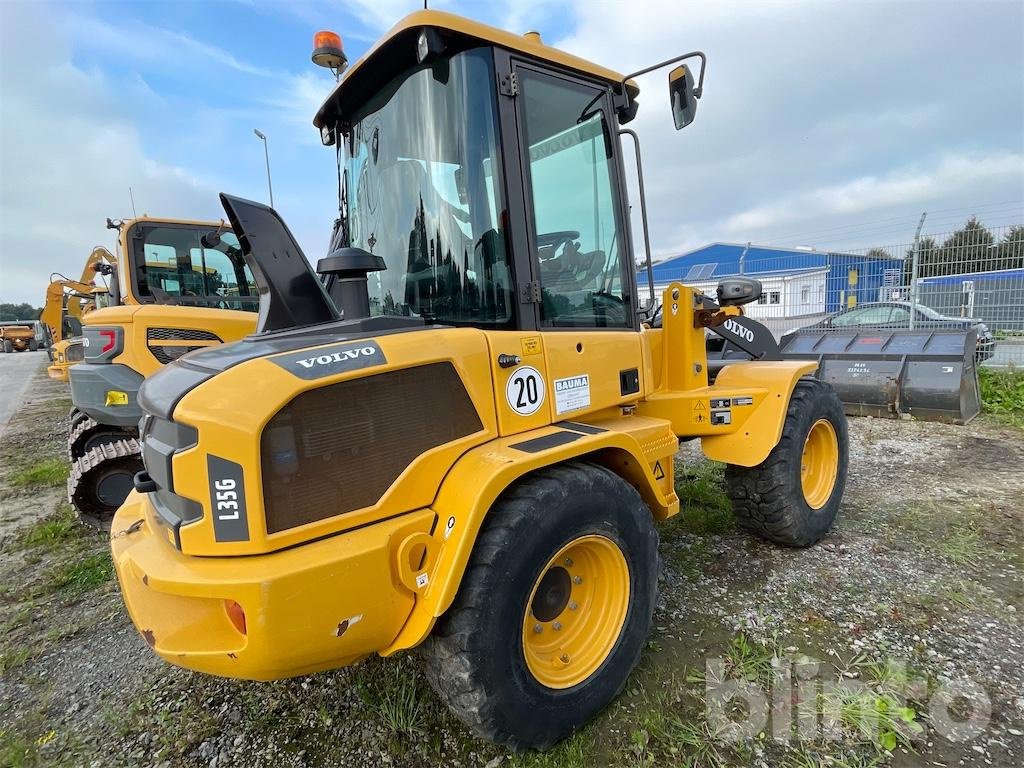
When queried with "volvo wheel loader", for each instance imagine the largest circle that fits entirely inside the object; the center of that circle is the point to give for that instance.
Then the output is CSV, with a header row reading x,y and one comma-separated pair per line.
x,y
67,302
176,286
473,461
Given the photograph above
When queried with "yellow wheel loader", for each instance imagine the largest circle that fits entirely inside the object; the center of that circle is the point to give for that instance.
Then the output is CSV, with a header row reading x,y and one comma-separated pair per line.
x,y
67,301
178,285
473,461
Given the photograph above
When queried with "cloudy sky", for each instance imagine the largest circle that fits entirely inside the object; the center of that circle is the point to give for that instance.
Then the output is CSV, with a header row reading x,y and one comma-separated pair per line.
x,y
822,124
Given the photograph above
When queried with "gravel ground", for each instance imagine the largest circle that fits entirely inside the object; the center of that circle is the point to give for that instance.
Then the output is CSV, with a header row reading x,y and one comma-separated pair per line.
x,y
916,595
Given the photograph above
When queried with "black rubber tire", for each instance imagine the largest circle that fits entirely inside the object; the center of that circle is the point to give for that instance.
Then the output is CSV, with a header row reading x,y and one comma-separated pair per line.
x,y
8,347
474,658
33,345
768,499
116,463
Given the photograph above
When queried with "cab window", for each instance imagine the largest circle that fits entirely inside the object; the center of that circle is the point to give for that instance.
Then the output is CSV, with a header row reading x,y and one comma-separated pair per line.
x,y
172,266
577,238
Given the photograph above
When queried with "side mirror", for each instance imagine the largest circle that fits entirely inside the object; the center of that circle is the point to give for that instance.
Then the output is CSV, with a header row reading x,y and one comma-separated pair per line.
x,y
734,291
681,92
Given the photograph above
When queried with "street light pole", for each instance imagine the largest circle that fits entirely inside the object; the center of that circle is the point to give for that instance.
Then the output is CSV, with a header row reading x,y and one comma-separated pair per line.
x,y
266,154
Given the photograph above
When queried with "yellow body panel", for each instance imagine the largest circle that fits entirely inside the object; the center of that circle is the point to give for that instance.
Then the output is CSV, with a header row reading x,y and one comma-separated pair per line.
x,y
326,604
454,485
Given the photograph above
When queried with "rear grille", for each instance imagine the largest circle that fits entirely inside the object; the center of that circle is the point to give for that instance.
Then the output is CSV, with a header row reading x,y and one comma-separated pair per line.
x,y
168,353
179,334
339,448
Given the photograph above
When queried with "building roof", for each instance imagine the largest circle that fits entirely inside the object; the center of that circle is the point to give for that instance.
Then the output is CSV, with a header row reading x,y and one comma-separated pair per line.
x,y
723,259
995,274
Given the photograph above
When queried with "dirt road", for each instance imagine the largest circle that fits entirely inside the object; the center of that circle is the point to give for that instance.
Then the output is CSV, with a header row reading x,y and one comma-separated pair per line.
x,y
16,372
907,619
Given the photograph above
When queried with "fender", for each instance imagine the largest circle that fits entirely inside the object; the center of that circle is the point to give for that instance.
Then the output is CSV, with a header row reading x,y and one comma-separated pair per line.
x,y
762,430
463,500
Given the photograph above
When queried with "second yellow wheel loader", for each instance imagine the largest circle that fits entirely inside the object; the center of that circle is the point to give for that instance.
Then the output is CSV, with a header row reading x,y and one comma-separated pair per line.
x,y
473,461
178,285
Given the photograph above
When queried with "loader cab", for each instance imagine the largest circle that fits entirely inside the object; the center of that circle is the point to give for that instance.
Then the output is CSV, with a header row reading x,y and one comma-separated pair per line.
x,y
486,171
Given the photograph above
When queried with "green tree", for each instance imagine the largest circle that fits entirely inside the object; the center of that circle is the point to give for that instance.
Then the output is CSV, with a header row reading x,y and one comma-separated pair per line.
x,y
1011,249
969,249
9,312
928,259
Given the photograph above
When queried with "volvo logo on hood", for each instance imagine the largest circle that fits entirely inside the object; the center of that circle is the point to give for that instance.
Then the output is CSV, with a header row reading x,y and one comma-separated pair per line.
x,y
327,361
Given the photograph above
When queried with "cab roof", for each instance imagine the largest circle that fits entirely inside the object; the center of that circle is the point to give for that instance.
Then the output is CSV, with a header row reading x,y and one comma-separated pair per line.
x,y
385,58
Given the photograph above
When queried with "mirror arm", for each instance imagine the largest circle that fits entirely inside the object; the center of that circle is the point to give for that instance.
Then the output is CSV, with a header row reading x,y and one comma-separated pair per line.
x,y
700,80
643,218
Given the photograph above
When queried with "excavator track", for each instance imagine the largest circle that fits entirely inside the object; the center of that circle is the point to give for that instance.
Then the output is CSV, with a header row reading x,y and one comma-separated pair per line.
x,y
86,434
102,478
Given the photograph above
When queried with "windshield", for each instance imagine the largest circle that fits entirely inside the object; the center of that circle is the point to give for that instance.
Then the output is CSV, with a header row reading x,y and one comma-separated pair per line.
x,y
423,193
171,265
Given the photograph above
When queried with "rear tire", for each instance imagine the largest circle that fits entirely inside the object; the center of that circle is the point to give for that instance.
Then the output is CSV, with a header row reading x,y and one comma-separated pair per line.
x,y
8,347
33,345
793,496
510,683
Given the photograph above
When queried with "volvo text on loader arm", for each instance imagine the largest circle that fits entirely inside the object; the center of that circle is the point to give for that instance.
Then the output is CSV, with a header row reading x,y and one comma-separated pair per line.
x,y
473,461
178,285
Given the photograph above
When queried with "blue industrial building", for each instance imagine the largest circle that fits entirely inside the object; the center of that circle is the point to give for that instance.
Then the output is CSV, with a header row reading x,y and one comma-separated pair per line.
x,y
831,280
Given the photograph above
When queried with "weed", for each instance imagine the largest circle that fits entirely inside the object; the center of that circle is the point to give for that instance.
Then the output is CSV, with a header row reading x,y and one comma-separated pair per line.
x,y
48,473
394,698
50,532
82,575
11,658
704,508
1002,393
574,752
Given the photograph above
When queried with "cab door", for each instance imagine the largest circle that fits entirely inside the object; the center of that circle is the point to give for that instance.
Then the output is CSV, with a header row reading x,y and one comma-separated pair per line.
x,y
578,242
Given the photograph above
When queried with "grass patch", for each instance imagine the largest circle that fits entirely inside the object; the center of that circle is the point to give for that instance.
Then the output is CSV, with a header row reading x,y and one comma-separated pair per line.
x,y
394,697
1002,394
11,658
48,473
703,506
51,532
82,575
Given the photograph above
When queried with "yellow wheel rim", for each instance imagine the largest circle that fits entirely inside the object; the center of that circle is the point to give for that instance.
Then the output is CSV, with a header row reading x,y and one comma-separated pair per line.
x,y
575,612
819,464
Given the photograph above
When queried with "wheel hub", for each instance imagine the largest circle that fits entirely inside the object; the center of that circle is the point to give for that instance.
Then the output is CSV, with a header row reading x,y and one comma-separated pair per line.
x,y
552,594
819,464
575,611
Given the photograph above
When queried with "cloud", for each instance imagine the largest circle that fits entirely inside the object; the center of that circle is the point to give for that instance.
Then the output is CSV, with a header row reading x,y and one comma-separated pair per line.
x,y
69,150
969,174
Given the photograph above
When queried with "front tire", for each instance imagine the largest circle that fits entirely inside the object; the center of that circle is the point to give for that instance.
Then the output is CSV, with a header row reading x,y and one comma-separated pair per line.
x,y
793,496
554,608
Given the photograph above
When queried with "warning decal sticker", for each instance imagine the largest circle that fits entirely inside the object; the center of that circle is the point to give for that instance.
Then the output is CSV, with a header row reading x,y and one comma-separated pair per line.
x,y
572,393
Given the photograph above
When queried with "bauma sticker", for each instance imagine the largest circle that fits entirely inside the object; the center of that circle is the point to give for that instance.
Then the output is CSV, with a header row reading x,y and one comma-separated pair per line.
x,y
572,393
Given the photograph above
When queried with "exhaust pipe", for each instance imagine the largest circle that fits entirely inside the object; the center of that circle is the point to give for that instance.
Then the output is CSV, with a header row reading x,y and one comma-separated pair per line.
x,y
346,270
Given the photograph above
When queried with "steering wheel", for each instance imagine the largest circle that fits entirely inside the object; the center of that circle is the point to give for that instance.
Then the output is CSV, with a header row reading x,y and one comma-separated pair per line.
x,y
555,240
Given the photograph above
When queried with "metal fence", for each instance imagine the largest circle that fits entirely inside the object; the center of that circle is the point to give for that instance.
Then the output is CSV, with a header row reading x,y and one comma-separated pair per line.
x,y
972,276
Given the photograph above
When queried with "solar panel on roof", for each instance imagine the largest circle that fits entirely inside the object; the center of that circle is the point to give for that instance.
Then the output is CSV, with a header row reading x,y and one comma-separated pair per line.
x,y
700,272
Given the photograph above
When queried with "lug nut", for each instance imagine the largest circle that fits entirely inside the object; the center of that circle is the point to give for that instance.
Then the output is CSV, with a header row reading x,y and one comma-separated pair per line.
x,y
538,628
577,580
568,562
556,626
564,658
573,605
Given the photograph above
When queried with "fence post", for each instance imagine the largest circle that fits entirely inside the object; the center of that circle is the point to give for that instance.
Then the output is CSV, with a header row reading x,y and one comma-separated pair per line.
x,y
914,270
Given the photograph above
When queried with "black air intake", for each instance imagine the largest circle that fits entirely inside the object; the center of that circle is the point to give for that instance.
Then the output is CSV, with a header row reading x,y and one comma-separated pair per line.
x,y
339,448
